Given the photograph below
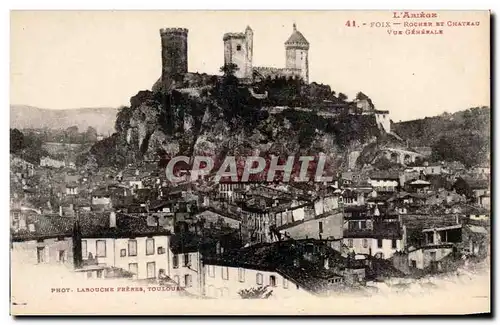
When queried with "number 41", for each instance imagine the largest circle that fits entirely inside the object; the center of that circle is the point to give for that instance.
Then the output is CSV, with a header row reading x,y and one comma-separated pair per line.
x,y
351,23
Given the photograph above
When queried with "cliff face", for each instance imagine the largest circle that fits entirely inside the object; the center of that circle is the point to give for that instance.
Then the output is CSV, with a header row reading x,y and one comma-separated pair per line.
x,y
218,122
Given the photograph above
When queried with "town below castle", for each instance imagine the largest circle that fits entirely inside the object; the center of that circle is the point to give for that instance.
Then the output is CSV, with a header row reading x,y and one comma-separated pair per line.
x,y
389,223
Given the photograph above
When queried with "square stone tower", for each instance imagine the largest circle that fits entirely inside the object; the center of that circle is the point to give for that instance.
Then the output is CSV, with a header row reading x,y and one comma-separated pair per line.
x,y
297,53
238,50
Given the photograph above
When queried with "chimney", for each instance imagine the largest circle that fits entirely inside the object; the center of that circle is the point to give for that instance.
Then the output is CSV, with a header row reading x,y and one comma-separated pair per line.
x,y
112,219
77,244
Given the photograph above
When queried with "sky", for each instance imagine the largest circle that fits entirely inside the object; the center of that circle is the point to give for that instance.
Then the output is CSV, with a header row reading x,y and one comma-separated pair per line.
x,y
73,59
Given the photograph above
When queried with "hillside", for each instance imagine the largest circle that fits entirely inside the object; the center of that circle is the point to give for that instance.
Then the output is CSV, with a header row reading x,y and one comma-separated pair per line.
x,y
102,119
462,136
225,118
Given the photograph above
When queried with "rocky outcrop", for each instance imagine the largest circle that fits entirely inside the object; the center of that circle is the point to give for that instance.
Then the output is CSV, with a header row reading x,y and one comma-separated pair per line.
x,y
195,121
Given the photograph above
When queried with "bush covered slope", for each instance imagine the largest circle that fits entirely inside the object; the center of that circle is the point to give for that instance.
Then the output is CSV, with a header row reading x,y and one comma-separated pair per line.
x,y
463,136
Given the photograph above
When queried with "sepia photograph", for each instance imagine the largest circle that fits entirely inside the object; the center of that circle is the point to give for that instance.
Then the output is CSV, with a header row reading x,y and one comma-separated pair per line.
x,y
250,162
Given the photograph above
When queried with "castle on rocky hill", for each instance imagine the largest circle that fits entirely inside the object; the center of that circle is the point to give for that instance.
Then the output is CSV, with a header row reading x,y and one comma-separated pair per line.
x,y
238,50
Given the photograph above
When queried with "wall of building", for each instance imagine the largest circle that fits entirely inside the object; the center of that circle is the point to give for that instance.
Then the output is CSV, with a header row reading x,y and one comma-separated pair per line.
x,y
228,287
26,251
385,185
212,217
115,248
331,224
367,245
194,270
422,258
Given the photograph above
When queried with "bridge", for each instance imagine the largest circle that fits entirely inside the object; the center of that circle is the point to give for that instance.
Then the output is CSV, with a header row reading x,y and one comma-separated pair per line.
x,y
401,156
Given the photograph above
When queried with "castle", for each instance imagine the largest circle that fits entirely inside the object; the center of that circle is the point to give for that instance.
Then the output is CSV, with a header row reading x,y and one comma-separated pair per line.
x,y
238,50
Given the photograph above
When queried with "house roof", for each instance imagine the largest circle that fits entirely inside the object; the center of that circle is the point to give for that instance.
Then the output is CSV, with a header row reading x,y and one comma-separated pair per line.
x,y
381,230
384,174
279,257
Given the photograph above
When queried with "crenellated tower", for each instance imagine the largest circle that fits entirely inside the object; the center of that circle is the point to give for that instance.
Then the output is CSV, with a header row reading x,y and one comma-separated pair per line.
x,y
297,53
174,55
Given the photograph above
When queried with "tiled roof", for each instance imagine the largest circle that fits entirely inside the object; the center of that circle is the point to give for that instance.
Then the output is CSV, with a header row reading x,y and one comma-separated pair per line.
x,y
296,38
385,174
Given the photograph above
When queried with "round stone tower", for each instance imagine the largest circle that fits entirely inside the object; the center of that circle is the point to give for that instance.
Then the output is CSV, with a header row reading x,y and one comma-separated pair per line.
x,y
297,53
174,55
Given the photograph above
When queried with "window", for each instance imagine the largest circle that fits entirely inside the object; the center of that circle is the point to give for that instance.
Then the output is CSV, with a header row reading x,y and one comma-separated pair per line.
x,y
186,259
123,252
150,246
151,270
132,247
394,244
211,271
211,291
175,261
89,275
320,227
272,281
285,283
225,273
99,274
188,281
84,249
379,243
238,47
363,225
433,256
241,274
365,243
413,263
350,242
259,279
134,269
100,248
62,256
176,279
40,254
161,250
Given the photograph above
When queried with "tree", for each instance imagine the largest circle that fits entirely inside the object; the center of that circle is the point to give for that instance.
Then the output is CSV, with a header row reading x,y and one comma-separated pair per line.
x,y
71,134
16,140
462,187
343,97
443,150
90,135
361,96
383,163
229,69
255,293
